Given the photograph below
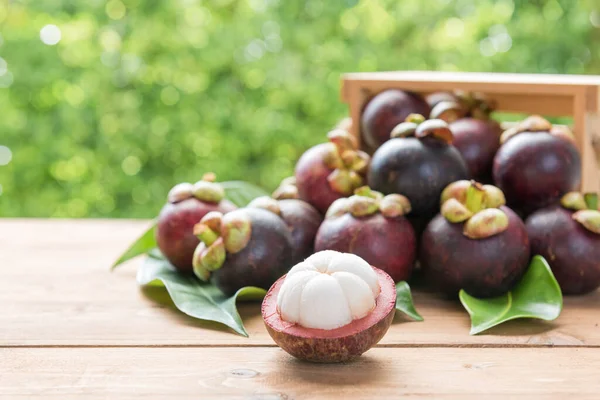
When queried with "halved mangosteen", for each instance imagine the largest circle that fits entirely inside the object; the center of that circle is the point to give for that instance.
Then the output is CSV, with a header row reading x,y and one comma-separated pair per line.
x,y
330,308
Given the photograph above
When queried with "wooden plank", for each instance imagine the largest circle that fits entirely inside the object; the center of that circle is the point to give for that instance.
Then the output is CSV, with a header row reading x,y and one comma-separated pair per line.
x,y
548,80
590,180
269,373
57,290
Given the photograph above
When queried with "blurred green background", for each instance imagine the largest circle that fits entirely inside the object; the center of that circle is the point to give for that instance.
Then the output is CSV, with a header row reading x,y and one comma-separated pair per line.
x,y
105,105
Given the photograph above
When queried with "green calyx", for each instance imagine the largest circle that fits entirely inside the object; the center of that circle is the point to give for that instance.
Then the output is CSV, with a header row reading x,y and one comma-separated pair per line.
x,y
205,190
461,104
416,125
347,162
366,202
590,219
585,205
287,189
536,123
448,111
219,234
266,203
477,206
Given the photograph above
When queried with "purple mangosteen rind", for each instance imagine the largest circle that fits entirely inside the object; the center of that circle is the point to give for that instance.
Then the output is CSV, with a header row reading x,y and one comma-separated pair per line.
x,y
386,243
572,250
330,170
302,220
373,227
386,110
418,167
186,204
536,164
253,248
476,134
484,268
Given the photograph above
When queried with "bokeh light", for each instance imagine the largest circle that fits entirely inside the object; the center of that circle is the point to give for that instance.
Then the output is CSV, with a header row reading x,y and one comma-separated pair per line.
x,y
50,34
5,155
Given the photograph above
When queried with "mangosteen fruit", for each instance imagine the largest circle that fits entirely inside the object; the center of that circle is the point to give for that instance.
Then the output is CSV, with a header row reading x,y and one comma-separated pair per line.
x,y
186,205
374,228
418,162
476,134
385,111
567,235
536,164
302,220
476,243
246,247
331,170
330,308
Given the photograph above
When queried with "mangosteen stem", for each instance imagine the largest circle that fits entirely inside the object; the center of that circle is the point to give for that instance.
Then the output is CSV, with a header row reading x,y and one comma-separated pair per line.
x,y
205,234
415,118
475,197
591,200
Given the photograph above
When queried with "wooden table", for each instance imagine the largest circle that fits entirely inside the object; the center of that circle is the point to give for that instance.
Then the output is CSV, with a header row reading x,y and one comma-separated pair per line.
x,y
70,329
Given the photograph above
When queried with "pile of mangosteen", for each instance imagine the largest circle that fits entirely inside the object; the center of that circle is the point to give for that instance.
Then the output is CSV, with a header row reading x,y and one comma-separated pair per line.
x,y
432,184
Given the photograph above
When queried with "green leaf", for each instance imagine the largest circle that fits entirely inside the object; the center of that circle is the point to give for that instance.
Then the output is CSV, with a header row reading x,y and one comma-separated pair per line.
x,y
537,295
142,245
197,299
404,301
241,193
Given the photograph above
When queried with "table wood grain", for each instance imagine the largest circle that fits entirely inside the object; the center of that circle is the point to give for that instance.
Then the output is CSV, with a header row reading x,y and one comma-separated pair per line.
x,y
70,328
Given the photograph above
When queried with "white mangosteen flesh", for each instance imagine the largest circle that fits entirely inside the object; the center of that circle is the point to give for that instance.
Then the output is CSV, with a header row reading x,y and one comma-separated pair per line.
x,y
328,290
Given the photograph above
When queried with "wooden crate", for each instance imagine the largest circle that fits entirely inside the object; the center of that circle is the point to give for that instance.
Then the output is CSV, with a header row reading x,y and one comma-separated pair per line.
x,y
576,96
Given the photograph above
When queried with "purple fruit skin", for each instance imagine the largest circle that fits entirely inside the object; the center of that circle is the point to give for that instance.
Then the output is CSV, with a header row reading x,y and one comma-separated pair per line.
x,y
386,243
534,169
266,257
482,267
572,251
419,169
311,178
477,141
385,111
303,221
174,229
